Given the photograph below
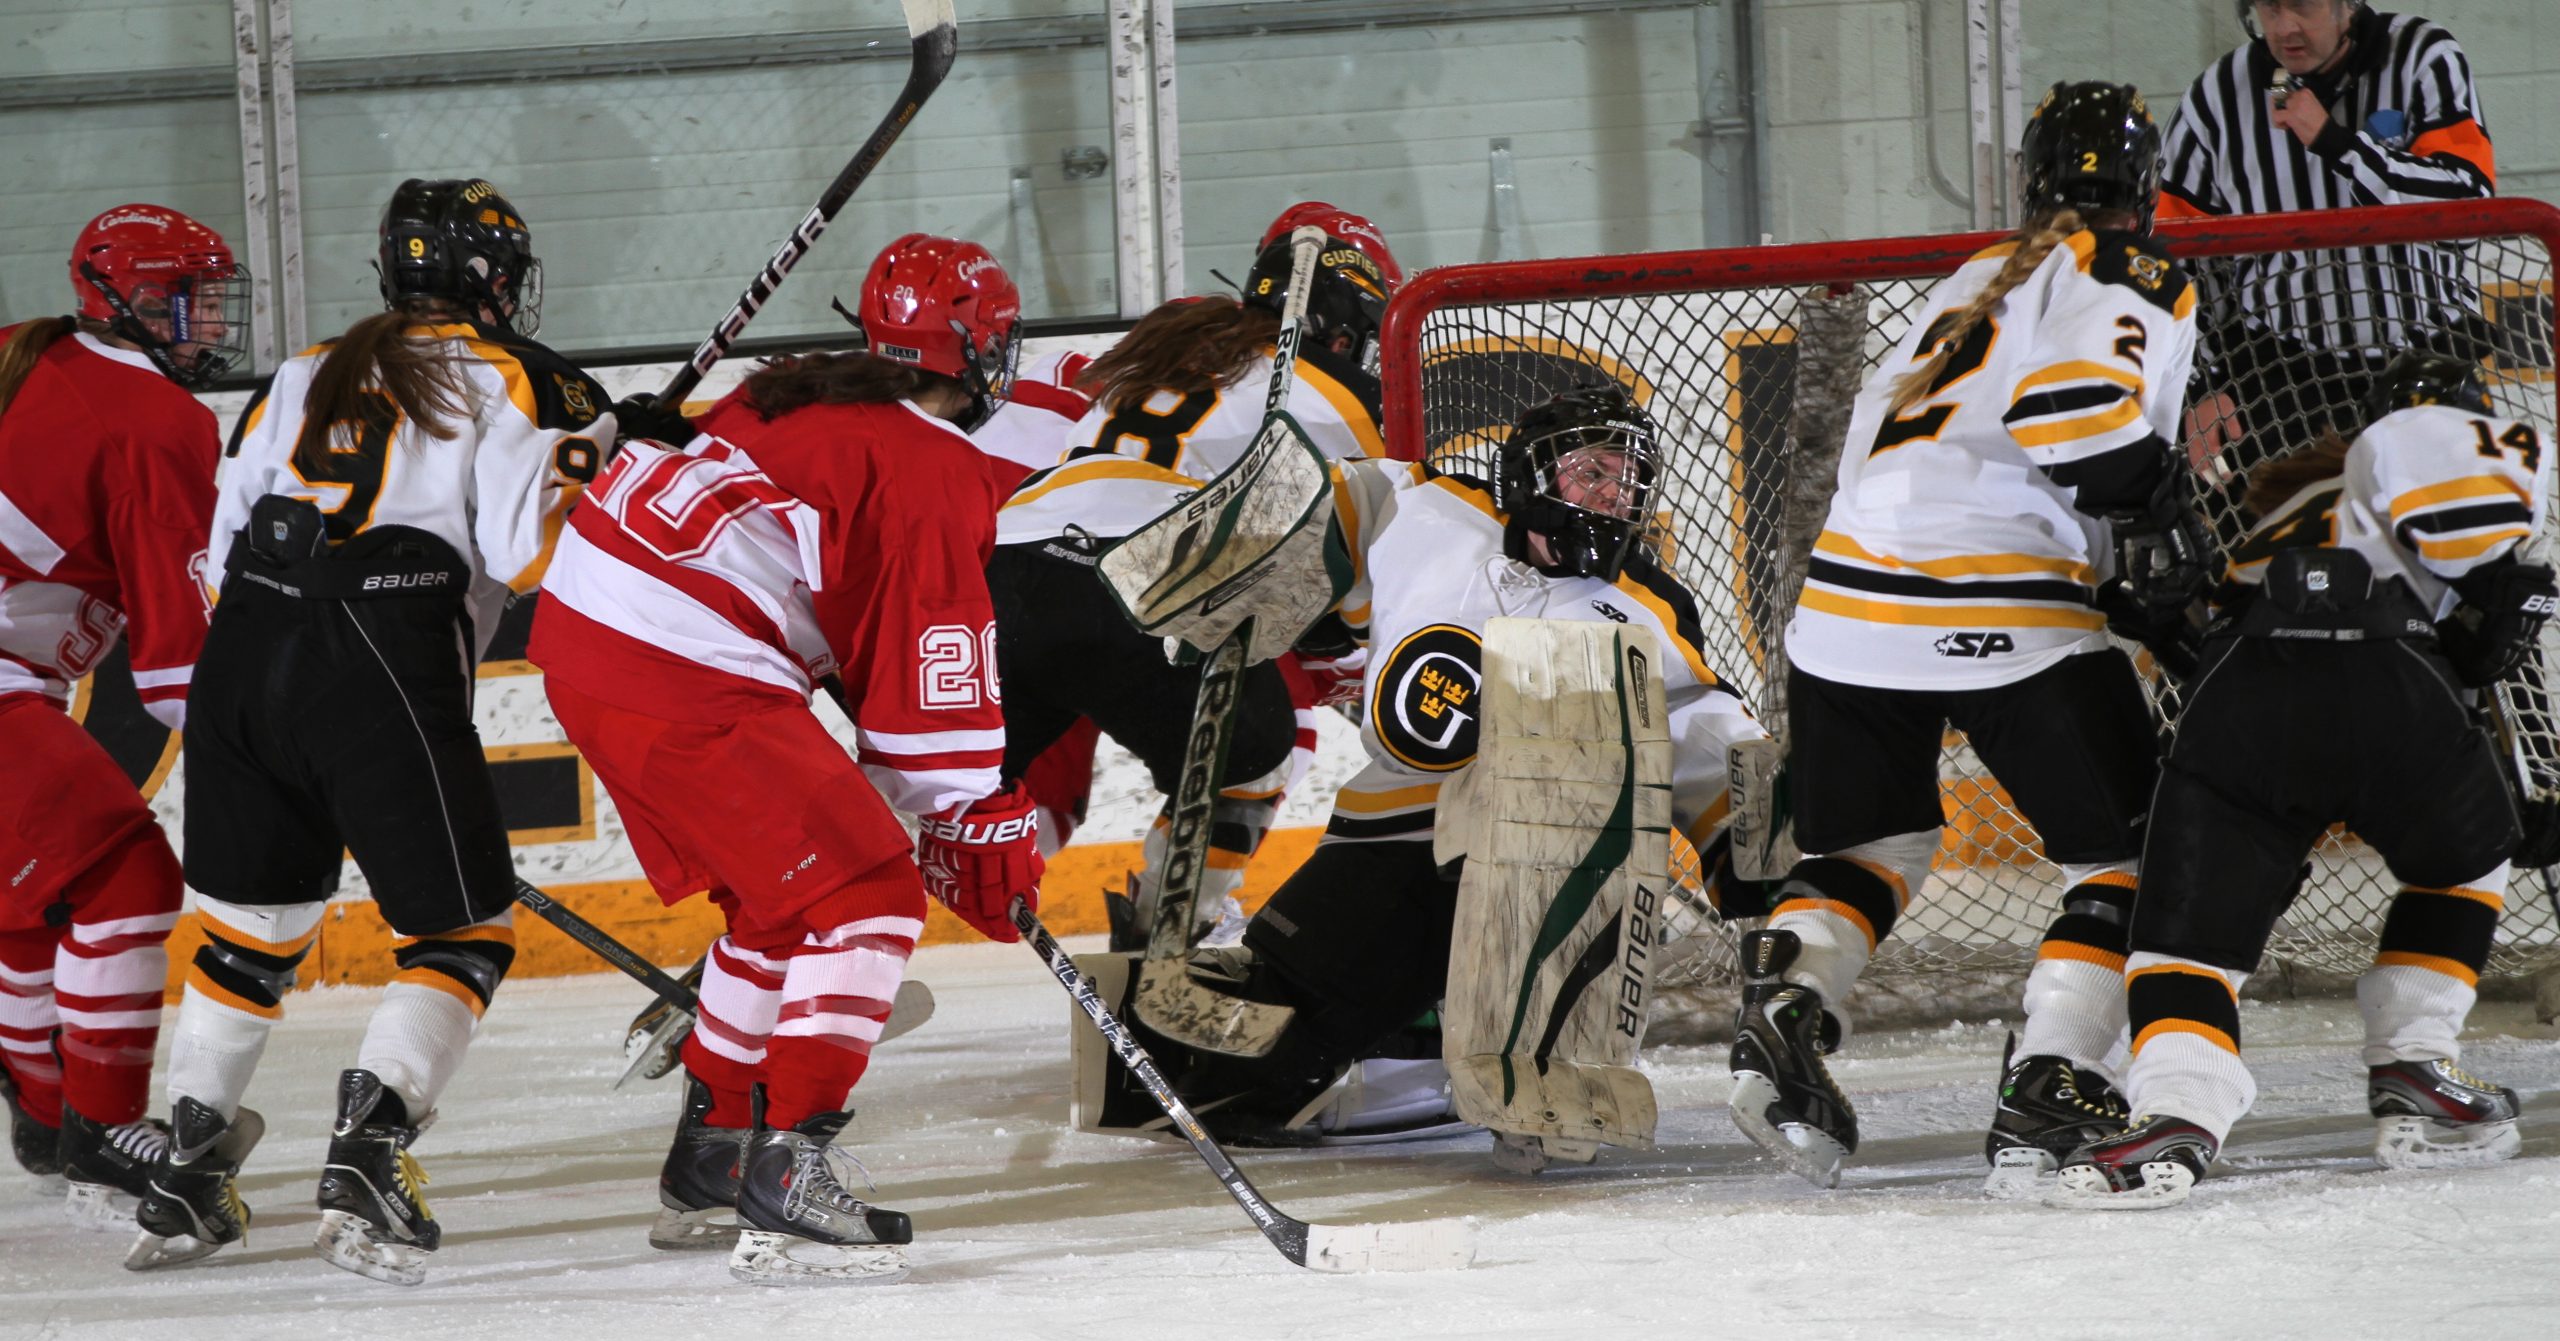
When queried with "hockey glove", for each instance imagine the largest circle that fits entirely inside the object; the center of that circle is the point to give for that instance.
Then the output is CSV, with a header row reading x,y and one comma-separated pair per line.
x,y
2499,620
2164,554
2174,637
642,416
976,857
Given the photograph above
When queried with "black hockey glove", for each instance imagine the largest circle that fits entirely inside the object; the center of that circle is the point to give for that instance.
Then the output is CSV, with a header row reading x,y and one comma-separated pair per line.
x,y
2499,620
641,416
2540,846
2174,636
2164,553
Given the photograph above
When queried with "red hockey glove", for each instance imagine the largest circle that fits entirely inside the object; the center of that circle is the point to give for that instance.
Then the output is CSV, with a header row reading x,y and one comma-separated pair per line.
x,y
1324,682
975,858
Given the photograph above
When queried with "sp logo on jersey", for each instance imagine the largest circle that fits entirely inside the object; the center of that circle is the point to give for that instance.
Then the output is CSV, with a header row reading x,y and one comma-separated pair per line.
x,y
1425,711
1975,644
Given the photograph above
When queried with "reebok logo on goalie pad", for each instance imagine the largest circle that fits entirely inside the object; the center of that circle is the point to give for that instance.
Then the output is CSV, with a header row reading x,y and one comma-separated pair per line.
x,y
1974,644
1425,712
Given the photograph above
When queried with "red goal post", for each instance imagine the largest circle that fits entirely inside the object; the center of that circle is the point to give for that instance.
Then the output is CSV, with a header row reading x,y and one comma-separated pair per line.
x,y
1748,358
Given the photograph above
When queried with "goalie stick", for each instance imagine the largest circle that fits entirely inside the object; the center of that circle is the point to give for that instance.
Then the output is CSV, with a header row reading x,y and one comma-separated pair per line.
x,y
1167,998
1414,1246
935,34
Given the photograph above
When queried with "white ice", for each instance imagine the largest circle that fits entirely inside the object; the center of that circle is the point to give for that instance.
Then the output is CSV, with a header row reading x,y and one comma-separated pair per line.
x,y
544,1179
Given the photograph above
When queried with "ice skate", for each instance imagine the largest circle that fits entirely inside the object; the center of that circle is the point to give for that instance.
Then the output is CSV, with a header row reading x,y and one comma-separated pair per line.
x,y
193,1208
698,1185
1783,1096
373,1219
2435,1115
2153,1163
798,1224
38,1147
2047,1109
109,1168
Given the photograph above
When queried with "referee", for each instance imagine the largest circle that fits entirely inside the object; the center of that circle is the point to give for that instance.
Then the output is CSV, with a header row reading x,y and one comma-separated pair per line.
x,y
2333,105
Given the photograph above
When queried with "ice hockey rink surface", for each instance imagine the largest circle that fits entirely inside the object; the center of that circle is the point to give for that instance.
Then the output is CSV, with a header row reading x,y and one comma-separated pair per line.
x,y
544,1177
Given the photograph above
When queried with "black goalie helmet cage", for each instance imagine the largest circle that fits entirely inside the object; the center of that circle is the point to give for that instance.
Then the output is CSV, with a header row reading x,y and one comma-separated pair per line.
x,y
2091,146
1528,485
459,240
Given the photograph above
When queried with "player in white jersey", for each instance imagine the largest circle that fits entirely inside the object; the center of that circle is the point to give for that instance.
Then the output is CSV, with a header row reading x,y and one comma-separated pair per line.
x,y
1177,401
1358,940
391,490
2382,587
1958,579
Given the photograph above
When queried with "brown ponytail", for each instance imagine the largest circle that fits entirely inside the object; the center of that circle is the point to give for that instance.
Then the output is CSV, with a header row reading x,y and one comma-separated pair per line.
x,y
2036,240
2274,482
378,353
26,345
1190,345
786,384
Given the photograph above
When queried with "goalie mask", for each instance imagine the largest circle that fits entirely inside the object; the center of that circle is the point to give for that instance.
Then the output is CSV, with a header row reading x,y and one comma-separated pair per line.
x,y
458,240
1577,474
168,284
1348,297
2421,378
2091,146
944,306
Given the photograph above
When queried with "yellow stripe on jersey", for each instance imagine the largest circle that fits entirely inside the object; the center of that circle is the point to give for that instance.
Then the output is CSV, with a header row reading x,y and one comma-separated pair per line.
x,y
2469,546
1670,621
1379,803
2056,431
499,357
1100,468
2077,370
2469,486
1473,497
1951,616
1961,565
1355,416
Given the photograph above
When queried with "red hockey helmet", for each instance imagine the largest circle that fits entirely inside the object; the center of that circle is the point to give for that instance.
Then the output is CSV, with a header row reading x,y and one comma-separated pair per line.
x,y
945,306
168,284
1341,223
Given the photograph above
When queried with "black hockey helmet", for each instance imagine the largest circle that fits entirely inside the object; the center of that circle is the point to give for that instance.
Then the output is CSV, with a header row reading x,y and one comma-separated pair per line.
x,y
1347,297
2091,146
2421,377
459,240
1567,443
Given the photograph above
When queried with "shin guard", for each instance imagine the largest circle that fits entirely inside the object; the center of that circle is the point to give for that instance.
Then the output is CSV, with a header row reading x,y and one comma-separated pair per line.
x,y
234,996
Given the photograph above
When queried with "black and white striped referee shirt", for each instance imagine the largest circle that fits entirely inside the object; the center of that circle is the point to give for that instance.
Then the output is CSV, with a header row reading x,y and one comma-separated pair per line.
x,y
2404,125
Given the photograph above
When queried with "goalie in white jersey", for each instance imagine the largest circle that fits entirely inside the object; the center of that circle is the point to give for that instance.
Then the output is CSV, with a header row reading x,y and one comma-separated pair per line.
x,y
1175,403
1963,576
391,490
2383,586
1358,941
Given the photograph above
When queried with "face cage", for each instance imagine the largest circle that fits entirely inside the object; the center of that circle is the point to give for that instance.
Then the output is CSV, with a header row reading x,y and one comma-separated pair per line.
x,y
227,294
526,317
1586,541
988,374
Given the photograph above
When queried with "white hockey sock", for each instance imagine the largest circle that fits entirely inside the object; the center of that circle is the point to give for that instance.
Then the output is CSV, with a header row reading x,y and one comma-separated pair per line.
x,y
2412,1014
415,1042
2075,1011
741,1000
1833,951
1839,926
2426,971
2186,1046
234,996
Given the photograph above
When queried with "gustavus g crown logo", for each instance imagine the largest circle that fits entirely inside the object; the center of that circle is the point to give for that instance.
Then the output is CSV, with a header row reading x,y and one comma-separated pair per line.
x,y
1975,644
1425,710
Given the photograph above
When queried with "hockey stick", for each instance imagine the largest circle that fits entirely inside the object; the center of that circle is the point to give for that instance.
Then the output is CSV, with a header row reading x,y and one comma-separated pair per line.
x,y
1418,1246
608,949
935,33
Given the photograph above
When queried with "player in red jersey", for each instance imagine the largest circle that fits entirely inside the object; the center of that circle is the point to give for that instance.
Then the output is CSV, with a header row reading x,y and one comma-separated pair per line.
x,y
106,490
833,518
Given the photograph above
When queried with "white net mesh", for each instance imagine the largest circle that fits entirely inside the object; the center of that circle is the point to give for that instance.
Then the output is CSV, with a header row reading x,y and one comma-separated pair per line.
x,y
1751,385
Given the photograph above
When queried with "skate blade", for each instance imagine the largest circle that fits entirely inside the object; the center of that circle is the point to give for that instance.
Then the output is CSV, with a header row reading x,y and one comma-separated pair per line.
x,y
345,1241
2406,1142
150,1251
2021,1173
2165,1182
763,1257
1430,1131
652,1053
100,1208
694,1231
1811,1153
1421,1245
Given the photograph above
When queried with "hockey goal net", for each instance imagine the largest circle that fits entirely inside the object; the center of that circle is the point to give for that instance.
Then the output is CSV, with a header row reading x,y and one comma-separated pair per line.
x,y
1749,357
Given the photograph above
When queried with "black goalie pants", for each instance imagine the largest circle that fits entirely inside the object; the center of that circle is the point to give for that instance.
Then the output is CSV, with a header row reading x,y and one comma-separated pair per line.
x,y
320,727
2282,738
1064,650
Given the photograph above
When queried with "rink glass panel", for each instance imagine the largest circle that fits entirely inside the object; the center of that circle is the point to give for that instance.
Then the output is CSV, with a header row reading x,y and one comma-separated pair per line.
x,y
1709,340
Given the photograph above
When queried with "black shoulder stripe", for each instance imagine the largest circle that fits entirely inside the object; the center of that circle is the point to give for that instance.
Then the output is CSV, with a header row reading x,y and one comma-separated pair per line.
x,y
1342,372
240,426
564,397
2140,263
1667,589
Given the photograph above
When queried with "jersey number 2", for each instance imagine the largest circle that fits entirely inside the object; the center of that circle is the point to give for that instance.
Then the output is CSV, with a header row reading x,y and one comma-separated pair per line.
x,y
1963,361
956,667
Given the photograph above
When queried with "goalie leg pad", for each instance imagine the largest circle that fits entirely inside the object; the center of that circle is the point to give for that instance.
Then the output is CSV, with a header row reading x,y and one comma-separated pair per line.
x,y
1560,904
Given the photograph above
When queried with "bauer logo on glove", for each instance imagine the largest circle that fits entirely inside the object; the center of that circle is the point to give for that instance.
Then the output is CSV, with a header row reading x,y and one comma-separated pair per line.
x,y
976,858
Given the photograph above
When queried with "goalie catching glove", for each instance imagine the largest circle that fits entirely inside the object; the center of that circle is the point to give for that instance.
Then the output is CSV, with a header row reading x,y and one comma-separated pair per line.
x,y
977,857
2499,620
2164,554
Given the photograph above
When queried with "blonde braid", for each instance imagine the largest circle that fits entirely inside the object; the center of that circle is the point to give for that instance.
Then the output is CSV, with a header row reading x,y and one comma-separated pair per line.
x,y
2037,239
